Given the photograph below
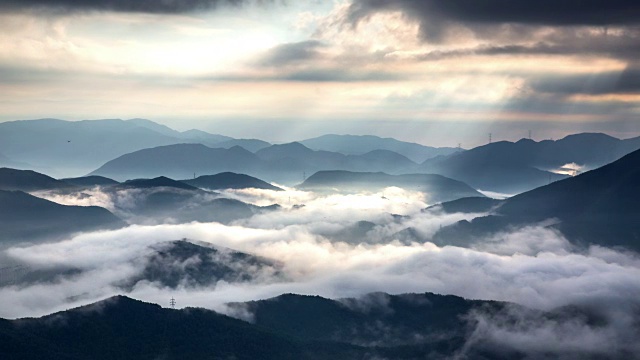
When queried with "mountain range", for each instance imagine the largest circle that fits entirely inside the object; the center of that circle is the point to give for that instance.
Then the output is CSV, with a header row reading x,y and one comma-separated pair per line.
x,y
28,180
229,180
596,207
285,163
126,149
502,167
514,167
24,217
376,326
362,144
63,147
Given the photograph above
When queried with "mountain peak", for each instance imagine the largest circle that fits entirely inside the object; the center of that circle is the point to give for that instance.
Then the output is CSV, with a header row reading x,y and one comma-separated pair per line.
x,y
292,146
160,181
589,138
28,180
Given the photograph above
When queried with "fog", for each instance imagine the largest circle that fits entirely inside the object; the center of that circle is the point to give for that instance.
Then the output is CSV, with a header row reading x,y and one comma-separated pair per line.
x,y
534,266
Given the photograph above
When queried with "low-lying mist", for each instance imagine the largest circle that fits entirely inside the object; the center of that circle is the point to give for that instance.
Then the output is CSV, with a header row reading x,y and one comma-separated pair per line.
x,y
319,251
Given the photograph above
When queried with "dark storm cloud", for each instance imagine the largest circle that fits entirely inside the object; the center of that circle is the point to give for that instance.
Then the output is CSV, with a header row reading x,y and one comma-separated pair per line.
x,y
514,24
625,82
292,53
492,50
624,46
140,6
302,62
540,12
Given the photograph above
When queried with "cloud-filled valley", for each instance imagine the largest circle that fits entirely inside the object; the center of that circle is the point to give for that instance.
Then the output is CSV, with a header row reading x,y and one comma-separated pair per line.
x,y
532,266
332,179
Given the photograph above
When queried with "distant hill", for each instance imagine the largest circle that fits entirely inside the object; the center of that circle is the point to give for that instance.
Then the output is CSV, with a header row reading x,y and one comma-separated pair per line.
x,y
61,147
252,145
297,151
89,181
24,217
297,157
160,181
203,137
193,134
164,200
195,264
229,180
509,167
439,188
27,180
596,207
179,161
284,163
362,144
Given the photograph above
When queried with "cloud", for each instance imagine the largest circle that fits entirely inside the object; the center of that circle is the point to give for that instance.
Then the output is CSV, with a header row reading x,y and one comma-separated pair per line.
x,y
533,266
154,7
521,331
525,28
544,12
625,82
623,45
292,53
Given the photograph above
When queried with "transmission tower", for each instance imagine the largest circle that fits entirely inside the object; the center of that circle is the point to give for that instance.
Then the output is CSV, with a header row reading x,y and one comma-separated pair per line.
x,y
172,303
490,135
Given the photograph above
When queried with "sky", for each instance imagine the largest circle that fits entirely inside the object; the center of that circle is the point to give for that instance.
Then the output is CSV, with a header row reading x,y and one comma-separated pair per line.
x,y
436,72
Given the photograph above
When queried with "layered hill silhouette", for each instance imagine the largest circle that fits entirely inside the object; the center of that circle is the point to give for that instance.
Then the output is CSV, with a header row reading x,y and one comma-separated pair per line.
x,y
362,144
159,182
123,328
27,180
179,162
290,326
229,180
438,188
596,207
510,168
295,157
24,217
281,163
162,200
62,147
158,199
